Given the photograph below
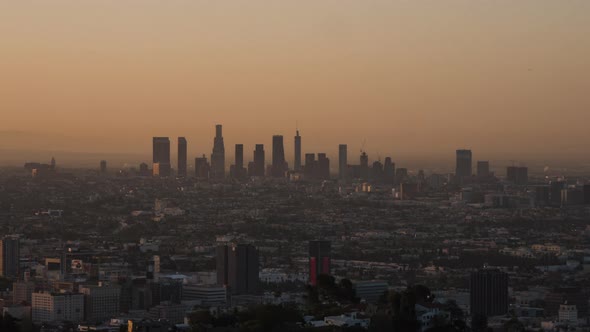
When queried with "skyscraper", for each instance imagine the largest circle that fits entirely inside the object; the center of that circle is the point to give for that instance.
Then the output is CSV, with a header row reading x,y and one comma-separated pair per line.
x,y
320,260
323,166
182,152
483,169
364,166
489,292
463,164
256,168
388,171
202,168
161,155
310,166
237,267
517,175
237,170
103,166
9,257
297,152
279,165
342,161
218,155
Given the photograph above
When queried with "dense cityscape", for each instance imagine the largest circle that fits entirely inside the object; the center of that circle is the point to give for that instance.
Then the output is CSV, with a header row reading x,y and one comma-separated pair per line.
x,y
312,246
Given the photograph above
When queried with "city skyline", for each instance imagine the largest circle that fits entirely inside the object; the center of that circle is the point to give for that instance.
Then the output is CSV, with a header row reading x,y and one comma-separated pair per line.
x,y
389,73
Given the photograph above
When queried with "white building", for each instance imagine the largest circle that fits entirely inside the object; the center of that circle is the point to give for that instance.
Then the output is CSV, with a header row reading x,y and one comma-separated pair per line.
x,y
568,314
48,307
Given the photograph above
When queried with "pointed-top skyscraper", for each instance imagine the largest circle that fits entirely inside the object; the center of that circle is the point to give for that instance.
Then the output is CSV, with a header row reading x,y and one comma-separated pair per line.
x,y
218,155
297,152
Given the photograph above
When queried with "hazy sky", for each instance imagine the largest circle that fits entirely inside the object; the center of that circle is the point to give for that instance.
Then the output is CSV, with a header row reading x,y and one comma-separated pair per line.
x,y
414,78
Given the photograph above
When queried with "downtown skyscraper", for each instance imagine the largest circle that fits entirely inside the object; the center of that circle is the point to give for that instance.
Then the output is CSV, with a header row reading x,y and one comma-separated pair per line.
x,y
297,158
9,257
342,161
182,157
256,167
463,164
161,156
237,268
218,155
279,165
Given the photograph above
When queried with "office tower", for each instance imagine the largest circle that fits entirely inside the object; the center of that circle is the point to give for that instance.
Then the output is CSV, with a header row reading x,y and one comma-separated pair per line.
x,y
587,194
182,157
279,165
388,171
10,257
202,168
144,169
101,302
218,155
320,260
57,307
103,166
53,163
323,167
297,152
463,168
564,294
237,171
342,161
377,171
222,265
517,175
489,292
256,168
401,175
161,156
209,295
237,267
558,193
309,170
483,169
364,166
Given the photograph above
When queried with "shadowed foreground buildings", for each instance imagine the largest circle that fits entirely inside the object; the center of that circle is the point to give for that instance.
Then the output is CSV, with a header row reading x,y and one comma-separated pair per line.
x,y
237,268
9,257
489,292
320,260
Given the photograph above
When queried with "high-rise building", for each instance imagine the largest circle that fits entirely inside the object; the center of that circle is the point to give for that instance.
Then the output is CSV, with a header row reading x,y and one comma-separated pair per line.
x,y
101,302
237,267
587,194
256,168
218,155
9,257
388,171
161,155
517,175
53,307
483,169
202,168
182,157
297,152
323,167
103,166
489,292
377,171
237,170
309,170
342,161
364,166
279,165
320,260
401,175
463,164
558,193
22,291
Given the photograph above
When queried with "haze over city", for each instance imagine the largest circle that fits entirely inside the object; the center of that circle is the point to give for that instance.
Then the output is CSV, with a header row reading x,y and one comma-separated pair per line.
x,y
416,80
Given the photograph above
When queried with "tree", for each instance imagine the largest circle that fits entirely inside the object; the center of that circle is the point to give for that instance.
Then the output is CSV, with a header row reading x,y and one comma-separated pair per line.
x,y
514,325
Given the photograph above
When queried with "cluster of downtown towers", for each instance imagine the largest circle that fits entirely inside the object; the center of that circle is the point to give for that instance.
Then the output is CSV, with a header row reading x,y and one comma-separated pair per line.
x,y
215,169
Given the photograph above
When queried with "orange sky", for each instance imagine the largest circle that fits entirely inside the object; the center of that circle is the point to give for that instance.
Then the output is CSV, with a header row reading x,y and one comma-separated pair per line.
x,y
413,78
